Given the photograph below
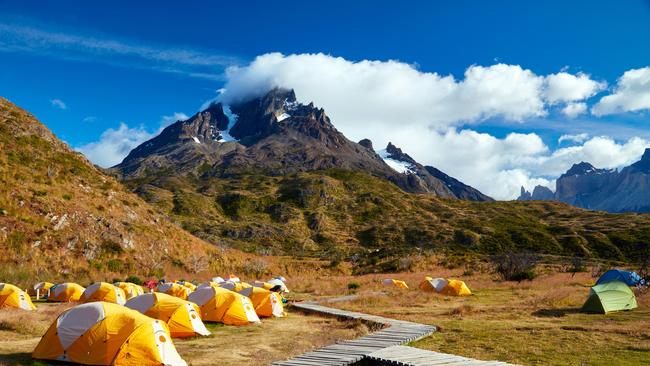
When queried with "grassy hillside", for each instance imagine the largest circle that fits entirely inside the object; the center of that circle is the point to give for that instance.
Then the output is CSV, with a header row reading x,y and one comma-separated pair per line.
x,y
342,215
60,217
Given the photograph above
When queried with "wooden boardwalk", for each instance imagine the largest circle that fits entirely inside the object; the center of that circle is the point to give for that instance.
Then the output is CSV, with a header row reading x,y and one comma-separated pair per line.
x,y
379,348
409,356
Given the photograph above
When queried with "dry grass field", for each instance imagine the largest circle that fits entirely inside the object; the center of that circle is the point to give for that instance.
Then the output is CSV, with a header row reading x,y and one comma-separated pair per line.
x,y
530,323
274,339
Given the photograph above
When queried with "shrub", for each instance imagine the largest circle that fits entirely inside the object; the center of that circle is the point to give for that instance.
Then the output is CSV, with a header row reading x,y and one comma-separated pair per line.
x,y
67,197
353,285
576,264
115,265
515,266
255,267
134,279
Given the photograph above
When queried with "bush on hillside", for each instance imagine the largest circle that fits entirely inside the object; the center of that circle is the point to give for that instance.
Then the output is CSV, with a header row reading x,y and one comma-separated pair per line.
x,y
134,279
512,266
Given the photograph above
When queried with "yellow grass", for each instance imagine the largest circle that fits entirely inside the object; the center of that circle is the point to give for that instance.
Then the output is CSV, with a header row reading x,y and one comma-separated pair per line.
x,y
531,323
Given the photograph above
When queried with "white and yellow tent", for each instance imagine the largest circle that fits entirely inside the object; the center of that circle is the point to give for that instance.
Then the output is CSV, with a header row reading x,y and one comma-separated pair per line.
x,y
104,291
456,288
433,284
102,333
41,289
396,283
265,302
187,284
182,317
131,290
174,289
66,292
234,286
224,306
13,297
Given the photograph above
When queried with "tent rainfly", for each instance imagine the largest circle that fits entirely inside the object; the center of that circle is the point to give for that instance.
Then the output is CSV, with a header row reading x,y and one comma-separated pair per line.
x,y
609,297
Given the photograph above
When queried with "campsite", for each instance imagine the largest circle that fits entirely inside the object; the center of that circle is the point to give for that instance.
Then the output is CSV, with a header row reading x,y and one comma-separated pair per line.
x,y
489,319
324,183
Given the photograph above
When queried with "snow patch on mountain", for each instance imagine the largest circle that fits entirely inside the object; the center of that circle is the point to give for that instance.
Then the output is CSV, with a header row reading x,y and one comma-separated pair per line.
x,y
396,165
232,119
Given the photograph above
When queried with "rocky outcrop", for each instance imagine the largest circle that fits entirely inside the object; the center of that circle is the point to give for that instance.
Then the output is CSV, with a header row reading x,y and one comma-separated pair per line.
x,y
540,193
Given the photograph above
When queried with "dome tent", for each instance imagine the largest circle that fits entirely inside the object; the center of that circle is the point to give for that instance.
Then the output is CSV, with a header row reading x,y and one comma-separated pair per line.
x,y
104,291
265,302
628,277
41,289
224,306
174,289
131,290
66,292
456,288
396,283
182,316
609,297
13,297
433,284
234,286
102,333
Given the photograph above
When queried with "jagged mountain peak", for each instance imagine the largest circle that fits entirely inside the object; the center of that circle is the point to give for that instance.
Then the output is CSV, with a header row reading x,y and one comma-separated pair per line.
x,y
581,168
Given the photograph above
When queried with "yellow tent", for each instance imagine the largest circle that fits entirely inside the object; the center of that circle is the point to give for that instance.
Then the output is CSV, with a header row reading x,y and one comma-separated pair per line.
x,y
103,291
102,333
13,297
131,290
433,284
265,302
66,292
182,316
174,289
220,305
189,285
41,289
456,288
264,285
396,283
234,286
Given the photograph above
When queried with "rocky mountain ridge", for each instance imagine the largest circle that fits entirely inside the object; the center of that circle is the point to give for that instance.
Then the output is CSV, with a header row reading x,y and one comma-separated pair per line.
x,y
611,190
276,135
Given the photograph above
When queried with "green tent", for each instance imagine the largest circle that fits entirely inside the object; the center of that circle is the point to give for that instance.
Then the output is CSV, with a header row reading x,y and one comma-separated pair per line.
x,y
608,297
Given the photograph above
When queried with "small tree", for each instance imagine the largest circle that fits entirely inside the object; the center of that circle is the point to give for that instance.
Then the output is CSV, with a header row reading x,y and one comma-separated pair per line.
x,y
577,264
512,266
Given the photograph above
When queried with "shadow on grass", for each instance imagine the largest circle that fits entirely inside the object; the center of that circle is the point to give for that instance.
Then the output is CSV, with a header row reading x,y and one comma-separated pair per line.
x,y
555,313
23,359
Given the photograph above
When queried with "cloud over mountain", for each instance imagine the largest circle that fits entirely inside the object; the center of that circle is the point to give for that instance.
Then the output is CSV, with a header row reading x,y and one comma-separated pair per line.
x,y
432,115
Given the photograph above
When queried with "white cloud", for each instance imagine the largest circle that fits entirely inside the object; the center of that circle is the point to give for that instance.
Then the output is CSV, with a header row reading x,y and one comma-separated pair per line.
x,y
500,166
577,138
565,87
632,93
58,103
385,93
114,145
573,110
194,63
89,119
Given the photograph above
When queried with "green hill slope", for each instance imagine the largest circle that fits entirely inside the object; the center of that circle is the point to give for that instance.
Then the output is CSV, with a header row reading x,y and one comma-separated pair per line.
x,y
60,217
346,214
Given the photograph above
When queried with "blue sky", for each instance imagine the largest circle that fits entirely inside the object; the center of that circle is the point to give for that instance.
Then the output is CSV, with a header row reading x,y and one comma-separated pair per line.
x,y
87,67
